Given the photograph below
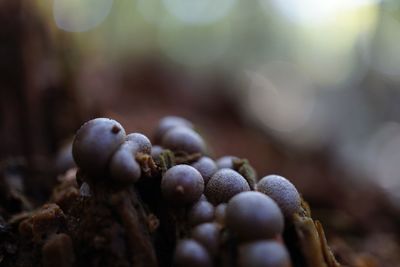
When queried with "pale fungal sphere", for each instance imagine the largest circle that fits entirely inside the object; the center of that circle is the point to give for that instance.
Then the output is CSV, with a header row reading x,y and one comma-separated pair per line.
x,y
282,191
144,144
189,253
226,162
183,139
123,166
201,212
169,122
208,235
182,184
253,216
206,166
94,144
224,184
263,254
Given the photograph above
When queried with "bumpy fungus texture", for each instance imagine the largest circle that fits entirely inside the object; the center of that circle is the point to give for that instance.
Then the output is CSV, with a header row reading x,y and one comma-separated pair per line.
x,y
224,184
134,204
282,191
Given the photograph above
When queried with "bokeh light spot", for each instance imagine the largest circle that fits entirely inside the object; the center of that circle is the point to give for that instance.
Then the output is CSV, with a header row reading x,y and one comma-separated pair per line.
x,y
199,12
315,11
280,103
80,16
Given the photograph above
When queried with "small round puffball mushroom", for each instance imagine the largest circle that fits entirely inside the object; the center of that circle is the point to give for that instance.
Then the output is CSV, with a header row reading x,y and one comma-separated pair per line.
x,y
282,191
263,254
224,184
252,216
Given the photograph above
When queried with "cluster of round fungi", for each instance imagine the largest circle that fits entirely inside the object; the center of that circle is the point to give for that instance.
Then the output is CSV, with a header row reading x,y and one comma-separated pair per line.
x,y
219,199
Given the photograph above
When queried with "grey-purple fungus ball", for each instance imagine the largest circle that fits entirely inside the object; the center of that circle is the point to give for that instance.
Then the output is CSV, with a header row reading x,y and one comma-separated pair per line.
x,y
282,191
224,184
253,215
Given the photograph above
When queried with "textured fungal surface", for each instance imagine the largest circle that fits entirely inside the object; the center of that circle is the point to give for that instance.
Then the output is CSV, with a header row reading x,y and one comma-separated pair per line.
x,y
224,184
282,191
129,203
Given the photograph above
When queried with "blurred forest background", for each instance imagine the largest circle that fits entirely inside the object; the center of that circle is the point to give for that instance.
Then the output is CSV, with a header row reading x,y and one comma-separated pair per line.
x,y
304,88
